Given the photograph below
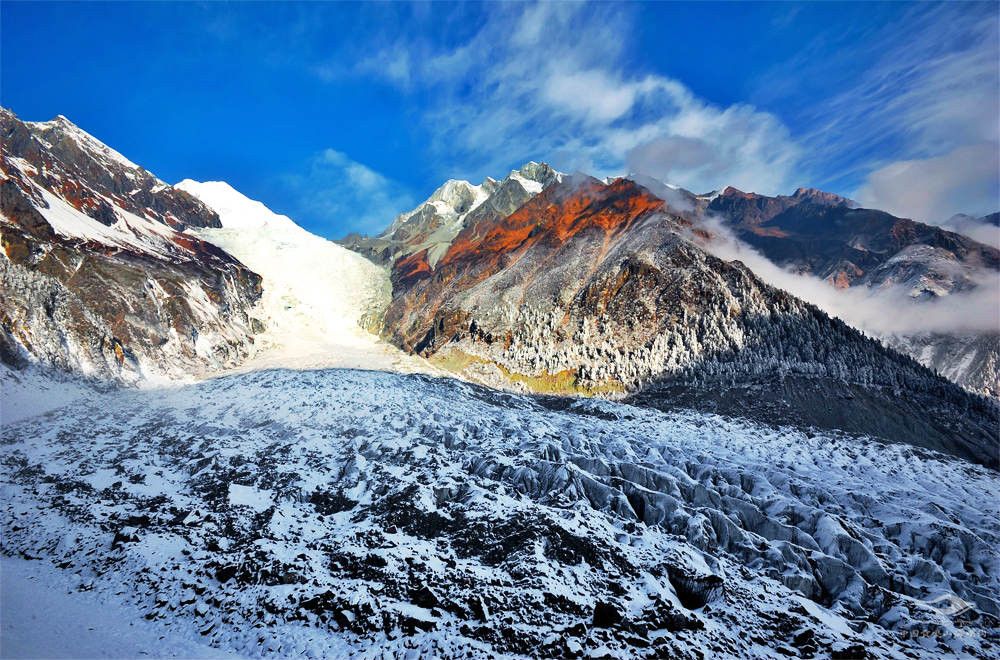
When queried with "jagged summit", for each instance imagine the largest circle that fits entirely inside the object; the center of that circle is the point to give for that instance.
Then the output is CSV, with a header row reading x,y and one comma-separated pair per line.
x,y
590,288
743,503
97,275
61,127
818,196
431,226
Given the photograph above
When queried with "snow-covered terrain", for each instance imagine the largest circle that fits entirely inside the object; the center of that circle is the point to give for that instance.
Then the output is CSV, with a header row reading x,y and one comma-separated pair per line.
x,y
49,613
312,502
29,392
318,297
334,512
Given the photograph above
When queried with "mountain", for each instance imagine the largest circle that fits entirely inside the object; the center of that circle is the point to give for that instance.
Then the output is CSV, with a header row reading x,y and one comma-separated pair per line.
x,y
318,297
298,499
97,275
829,237
430,228
594,288
985,229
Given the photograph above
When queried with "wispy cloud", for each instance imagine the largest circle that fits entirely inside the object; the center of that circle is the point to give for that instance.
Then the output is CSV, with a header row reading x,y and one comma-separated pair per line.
x,y
345,193
909,114
550,81
933,189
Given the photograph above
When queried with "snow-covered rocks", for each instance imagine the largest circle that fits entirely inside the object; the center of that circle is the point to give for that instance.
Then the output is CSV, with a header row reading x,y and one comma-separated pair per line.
x,y
334,512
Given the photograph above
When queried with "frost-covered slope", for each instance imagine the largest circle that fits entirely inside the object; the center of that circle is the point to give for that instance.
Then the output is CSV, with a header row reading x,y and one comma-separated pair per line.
x,y
593,288
318,297
329,512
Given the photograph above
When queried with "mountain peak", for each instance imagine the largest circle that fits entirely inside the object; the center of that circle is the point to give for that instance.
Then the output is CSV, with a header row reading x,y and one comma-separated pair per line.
x,y
818,196
62,127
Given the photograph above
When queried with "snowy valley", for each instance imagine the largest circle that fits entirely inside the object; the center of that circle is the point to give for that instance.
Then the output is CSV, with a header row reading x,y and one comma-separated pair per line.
x,y
319,469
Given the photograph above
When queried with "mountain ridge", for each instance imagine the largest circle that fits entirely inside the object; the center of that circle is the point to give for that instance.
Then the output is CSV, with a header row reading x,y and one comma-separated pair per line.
x,y
593,288
97,276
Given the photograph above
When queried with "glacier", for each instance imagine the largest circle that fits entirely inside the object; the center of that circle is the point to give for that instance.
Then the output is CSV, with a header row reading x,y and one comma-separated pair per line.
x,y
342,511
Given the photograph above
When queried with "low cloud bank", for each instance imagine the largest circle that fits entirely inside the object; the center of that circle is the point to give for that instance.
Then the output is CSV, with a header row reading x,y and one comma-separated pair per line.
x,y
889,310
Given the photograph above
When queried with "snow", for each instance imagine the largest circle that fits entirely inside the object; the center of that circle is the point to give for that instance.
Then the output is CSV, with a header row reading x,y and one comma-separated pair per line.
x,y
258,500
28,393
532,187
129,232
377,494
317,295
48,613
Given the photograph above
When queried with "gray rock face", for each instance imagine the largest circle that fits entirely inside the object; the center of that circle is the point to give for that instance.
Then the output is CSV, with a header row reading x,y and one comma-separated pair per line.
x,y
969,359
92,177
95,277
430,228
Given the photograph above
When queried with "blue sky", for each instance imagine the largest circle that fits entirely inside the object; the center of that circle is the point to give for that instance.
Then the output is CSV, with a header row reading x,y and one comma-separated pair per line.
x,y
342,115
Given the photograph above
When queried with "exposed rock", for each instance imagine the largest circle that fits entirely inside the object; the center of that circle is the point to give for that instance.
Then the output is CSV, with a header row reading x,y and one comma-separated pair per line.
x,y
593,288
94,276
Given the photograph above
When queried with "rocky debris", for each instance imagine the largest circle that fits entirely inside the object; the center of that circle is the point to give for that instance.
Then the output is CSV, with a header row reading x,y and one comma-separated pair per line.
x,y
333,511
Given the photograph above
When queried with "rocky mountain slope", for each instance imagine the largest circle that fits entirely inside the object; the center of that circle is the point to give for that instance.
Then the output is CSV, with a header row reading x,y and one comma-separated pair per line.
x,y
338,513
429,229
827,236
593,287
293,509
97,276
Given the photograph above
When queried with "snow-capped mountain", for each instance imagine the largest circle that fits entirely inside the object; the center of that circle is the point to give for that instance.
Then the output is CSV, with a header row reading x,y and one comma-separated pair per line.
x,y
96,275
300,500
429,229
318,297
594,288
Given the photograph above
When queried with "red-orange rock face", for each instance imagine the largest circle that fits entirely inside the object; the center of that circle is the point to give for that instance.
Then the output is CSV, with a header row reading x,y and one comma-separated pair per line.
x,y
557,215
571,225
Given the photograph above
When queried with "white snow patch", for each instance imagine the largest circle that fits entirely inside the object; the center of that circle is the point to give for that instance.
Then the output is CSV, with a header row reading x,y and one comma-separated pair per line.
x,y
44,614
258,500
317,294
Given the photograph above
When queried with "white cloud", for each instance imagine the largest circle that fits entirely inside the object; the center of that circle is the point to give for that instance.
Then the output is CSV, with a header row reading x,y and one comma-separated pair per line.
x,y
979,229
919,126
345,193
550,81
932,189
881,311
